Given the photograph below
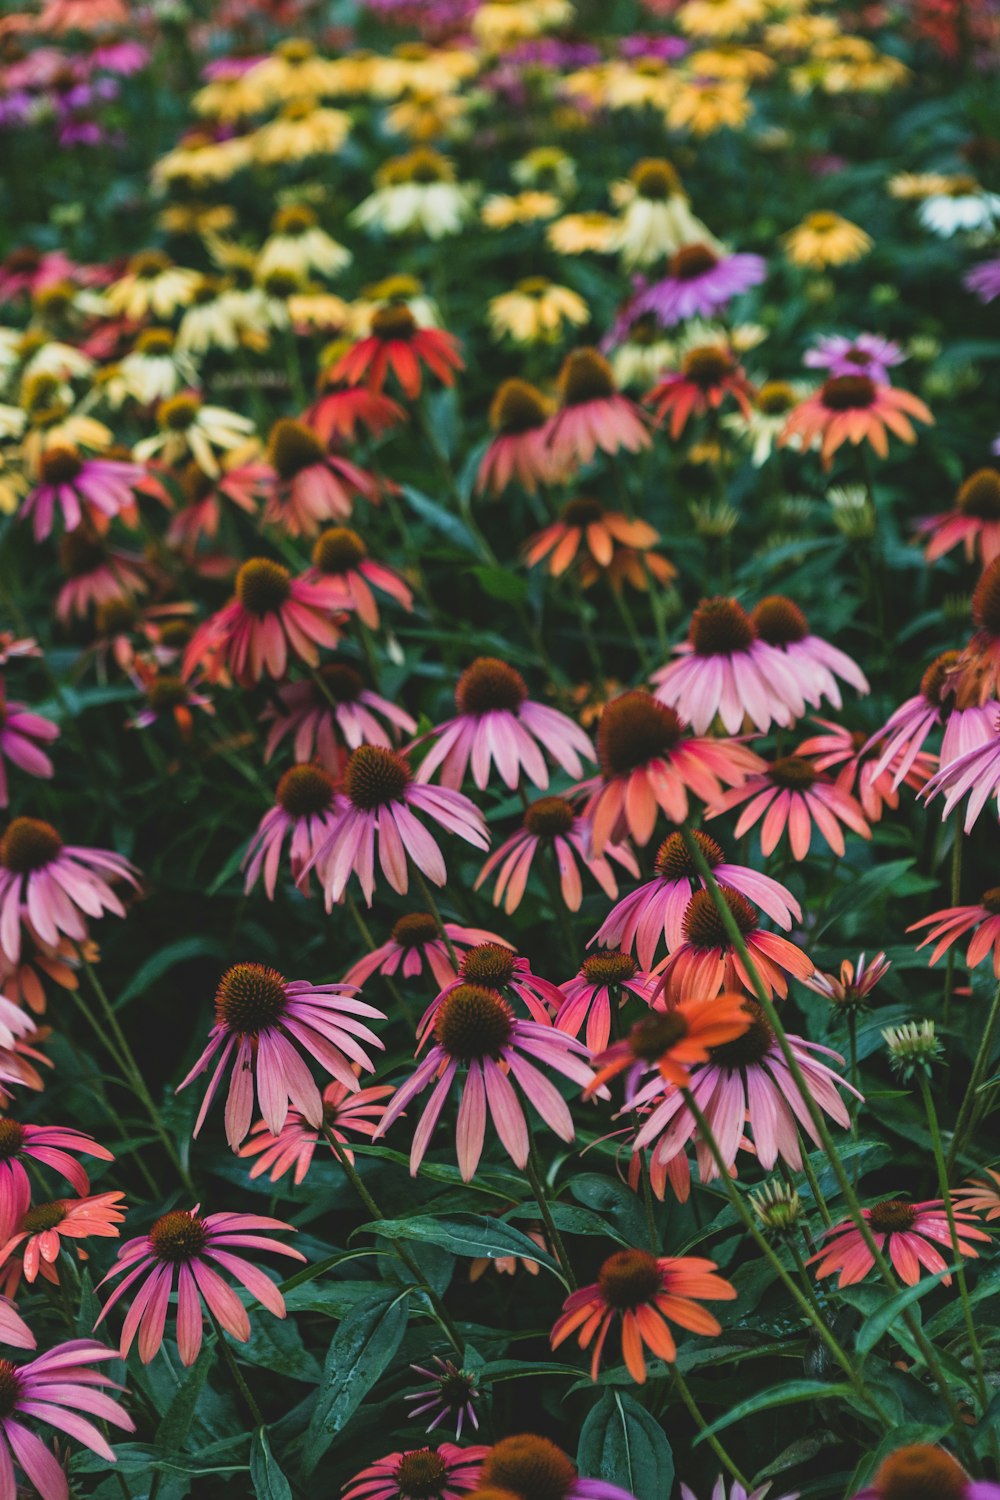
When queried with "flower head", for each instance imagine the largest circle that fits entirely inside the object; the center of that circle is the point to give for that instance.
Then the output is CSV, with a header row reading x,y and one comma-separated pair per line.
x,y
48,1145
97,489
451,1395
585,526
553,824
868,354
656,219
973,521
398,345
924,1469
825,239
416,940
670,1042
307,485
60,1387
708,962
604,981
306,806
908,1233
948,925
519,449
792,795
441,1473
345,1113
337,710
340,561
814,663
699,282
37,1240
22,735
54,885
850,990
534,1468
592,414
855,409
709,375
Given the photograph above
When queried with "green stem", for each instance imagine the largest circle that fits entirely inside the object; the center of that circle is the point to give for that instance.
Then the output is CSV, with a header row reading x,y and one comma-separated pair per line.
x,y
541,1198
727,1463
236,1373
969,1112
432,907
371,945
956,896
648,1203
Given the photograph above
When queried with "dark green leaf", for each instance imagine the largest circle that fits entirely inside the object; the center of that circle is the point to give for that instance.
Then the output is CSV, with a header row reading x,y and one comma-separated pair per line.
x,y
177,1418
621,1443
778,1395
470,1235
362,1348
266,1476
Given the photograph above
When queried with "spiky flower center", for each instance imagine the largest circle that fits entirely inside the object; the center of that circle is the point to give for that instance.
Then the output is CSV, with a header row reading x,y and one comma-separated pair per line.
x,y
250,998
991,900
518,406
422,165
178,413
28,845
979,496
703,925
10,1388
149,264
936,680
11,1138
154,341
295,49
43,1216
489,685
774,398
421,1474
986,599
178,1236
282,282
583,511
60,465
415,929
645,331
530,1466
692,261
779,621
176,633
655,179
793,772
585,376
656,1033
166,693
609,968
262,586
304,791
344,684
549,817
489,964
533,286
823,222
338,549
706,366
393,322
116,617
635,728
376,776
294,220
673,862
473,1022
848,392
892,1216
719,627
293,447
921,1472
629,1278
751,1047
80,553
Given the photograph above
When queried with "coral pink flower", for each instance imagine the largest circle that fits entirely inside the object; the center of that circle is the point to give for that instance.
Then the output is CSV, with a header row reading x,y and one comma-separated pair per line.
x,y
850,989
708,376
726,669
857,777
520,451
981,1195
657,908
976,774
263,1025
650,760
948,925
188,1252
592,414
22,735
746,1084
82,15
59,962
974,522
498,724
273,617
670,1042
341,414
648,1293
791,794
50,1146
604,983
52,885
398,344
496,966
854,409
95,574
977,672
382,801
908,1234
26,269
902,737
308,485
415,941
476,1030
314,715
707,963
306,806
296,1141
814,663
441,1473
12,648
585,522
553,822
451,1394
242,484
95,489
340,561
44,1225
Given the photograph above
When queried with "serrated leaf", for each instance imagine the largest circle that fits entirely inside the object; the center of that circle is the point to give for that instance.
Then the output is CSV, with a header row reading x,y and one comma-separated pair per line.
x,y
621,1443
778,1395
266,1474
361,1350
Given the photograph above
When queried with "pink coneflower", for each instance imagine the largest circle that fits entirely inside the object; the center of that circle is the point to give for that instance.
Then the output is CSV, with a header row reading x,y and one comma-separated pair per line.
x,y
851,988
26,269
907,1233
519,416
168,696
294,1145
82,15
981,1195
441,1473
96,575
902,737
498,724
397,344
13,1329
201,513
813,662
14,648
310,486
737,1492
791,795
671,1042
604,983
22,735
976,774
924,1469
476,1030
553,822
450,1396
536,1469
43,1227
868,354
340,415
95,489
53,885
657,908
977,673
709,376
264,1024
272,618
698,283
707,963
973,521
50,1146
190,1251
984,280
382,802
416,940
585,524
839,746
340,562
725,669
648,1293
306,806
315,713
649,761
497,967
951,923
745,1086
592,414
854,409
22,982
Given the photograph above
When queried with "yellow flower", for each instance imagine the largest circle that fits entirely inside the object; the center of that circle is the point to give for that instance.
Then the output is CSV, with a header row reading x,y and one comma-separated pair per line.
x,y
13,486
638,362
416,192
428,117
151,285
916,185
706,105
416,68
649,83
297,244
317,308
799,33
720,17
574,234
501,210
59,427
402,290
294,72
187,428
547,168
500,23
743,63
536,311
196,218
825,239
198,161
300,131
154,370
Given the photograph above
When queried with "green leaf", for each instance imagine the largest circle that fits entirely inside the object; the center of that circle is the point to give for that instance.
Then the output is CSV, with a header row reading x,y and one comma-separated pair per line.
x,y
470,1235
880,1321
501,583
442,520
778,1395
266,1475
179,1415
863,893
161,963
621,1443
362,1348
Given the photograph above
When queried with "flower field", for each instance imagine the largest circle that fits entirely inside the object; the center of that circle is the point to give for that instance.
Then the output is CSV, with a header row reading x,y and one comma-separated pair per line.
x,y
500,750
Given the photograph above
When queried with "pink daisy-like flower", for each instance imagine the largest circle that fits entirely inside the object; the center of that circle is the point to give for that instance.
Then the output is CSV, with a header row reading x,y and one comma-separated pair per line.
x,y
603,984
44,1225
95,489
650,761
23,981
592,415
984,280
520,450
22,735
698,283
476,1031
50,1146
315,713
96,575
706,963
496,966
725,669
382,802
441,1473
709,376
850,989
341,414
907,1233
657,908
306,806
13,1329
869,354
791,795
973,521
273,618
14,648
340,561
295,1143
813,662
498,724
263,1025
855,409
397,344
977,672
902,737
54,886
185,1251
975,774
450,1396
308,485
982,1195
242,484
951,923
553,823
536,1469
168,697
737,1492
745,1086
25,269
924,1469
838,746
415,941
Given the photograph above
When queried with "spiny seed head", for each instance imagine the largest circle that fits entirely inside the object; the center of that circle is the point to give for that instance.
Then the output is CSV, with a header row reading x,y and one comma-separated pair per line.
x,y
634,729
609,968
489,964
892,1216
530,1466
921,1472
533,286
154,341
60,465
655,179
979,496
490,685
848,392
936,683
692,261
654,1036
585,376
344,684
518,406
44,1216
719,627
28,844
393,323
751,1047
583,511
549,817
263,586
473,1022
294,220
177,1237
116,617
707,366
251,998
338,550
913,1047
376,776
774,398
304,791
778,1207
178,413
421,1474
422,165
292,447
986,599
673,862
793,772
991,900
779,621
703,925
11,1138
415,929
10,1387
629,1278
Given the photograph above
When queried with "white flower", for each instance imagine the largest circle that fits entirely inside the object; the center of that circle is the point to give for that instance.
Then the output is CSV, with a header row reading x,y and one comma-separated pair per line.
x,y
945,214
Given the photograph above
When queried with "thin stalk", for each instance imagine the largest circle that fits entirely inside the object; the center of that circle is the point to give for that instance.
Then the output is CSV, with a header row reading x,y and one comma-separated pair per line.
x,y
814,1186
432,907
956,896
541,1198
648,1203
371,945
727,1463
236,1373
969,1112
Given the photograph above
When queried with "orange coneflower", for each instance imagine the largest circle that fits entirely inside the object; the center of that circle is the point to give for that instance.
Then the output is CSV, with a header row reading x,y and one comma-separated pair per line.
x,y
854,409
585,522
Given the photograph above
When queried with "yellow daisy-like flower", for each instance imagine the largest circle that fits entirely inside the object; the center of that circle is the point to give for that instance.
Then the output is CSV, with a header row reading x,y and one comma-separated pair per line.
x,y
196,218
417,193
295,71
416,68
638,362
300,131
317,308
704,106
547,168
428,117
154,370
656,218
536,311
912,186
13,486
588,85
799,33
746,64
720,17
187,428
208,323
649,83
199,161
298,244
45,356
500,23
825,239
575,234
57,426
152,285
501,210
228,99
